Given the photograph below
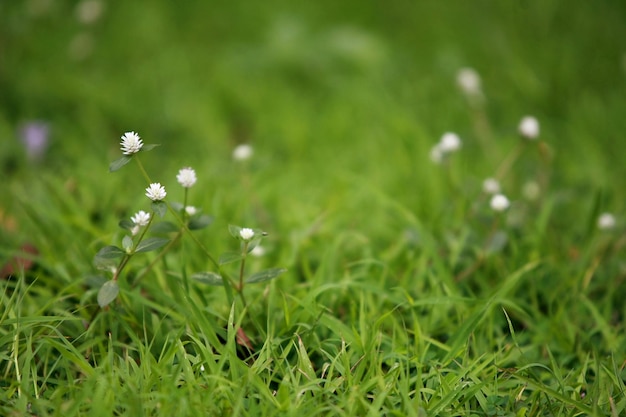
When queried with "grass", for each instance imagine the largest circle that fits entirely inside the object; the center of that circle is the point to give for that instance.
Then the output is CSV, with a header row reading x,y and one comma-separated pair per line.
x,y
405,293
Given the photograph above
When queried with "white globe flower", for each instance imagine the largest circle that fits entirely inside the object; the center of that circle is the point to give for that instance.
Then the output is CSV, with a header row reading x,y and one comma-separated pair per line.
x,y
491,186
141,218
606,221
156,192
242,152
499,202
468,81
131,143
450,142
246,233
529,127
186,177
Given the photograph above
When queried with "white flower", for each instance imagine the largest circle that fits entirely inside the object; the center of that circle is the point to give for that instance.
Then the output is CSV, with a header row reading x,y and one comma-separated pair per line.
x,y
449,142
191,210
436,155
156,192
606,221
468,81
499,202
258,251
491,186
529,127
242,152
141,218
131,143
531,190
246,233
186,177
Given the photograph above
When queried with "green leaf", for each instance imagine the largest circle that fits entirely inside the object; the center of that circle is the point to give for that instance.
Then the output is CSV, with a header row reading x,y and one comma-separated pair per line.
x,y
95,281
234,231
229,257
200,222
497,242
110,252
126,224
150,244
265,275
159,207
127,243
164,227
149,147
108,292
118,163
209,278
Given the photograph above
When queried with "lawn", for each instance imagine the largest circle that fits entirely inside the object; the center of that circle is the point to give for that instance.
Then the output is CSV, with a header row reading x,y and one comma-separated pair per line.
x,y
392,208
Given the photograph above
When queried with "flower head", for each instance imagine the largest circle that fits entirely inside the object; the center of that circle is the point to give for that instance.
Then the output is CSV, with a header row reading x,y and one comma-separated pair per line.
x,y
141,218
491,186
246,233
156,192
186,177
191,210
34,136
499,202
606,221
242,152
450,142
131,143
529,127
468,81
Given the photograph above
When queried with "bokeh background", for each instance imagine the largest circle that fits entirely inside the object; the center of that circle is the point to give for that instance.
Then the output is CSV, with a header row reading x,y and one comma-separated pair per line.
x,y
330,95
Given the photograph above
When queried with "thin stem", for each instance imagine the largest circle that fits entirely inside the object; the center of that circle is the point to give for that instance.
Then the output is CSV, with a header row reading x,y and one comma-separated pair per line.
x,y
142,169
506,165
157,258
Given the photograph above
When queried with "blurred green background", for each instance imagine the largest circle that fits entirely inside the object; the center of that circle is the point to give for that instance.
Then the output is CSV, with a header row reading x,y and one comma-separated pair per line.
x,y
325,91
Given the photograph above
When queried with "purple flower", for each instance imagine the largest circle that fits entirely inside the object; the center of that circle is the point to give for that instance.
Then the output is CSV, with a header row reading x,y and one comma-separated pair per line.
x,y
34,135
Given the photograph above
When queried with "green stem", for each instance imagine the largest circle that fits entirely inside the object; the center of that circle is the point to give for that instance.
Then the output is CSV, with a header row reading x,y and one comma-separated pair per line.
x,y
142,169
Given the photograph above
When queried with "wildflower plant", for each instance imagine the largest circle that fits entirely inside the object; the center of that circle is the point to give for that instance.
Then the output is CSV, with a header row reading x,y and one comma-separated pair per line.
x,y
187,218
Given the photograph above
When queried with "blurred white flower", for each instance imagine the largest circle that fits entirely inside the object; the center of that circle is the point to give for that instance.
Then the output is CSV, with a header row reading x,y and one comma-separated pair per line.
x,y
258,251
468,81
246,233
89,11
186,177
531,190
491,186
191,210
529,127
242,152
141,218
131,143
436,155
606,221
499,202
450,142
156,192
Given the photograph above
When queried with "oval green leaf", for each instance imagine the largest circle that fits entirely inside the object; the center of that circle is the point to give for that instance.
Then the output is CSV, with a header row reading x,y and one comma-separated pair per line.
x,y
118,163
152,243
110,252
229,257
209,278
159,207
108,292
265,275
200,222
